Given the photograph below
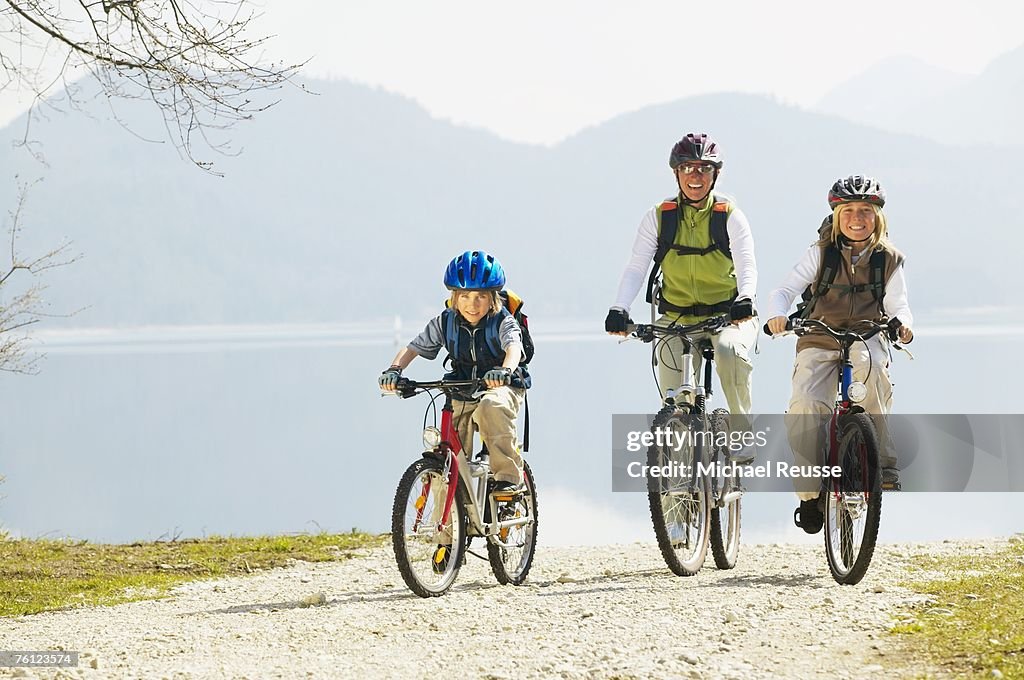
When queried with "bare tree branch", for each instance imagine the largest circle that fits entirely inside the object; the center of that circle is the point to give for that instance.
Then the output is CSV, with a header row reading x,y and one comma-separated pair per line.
x,y
194,60
21,289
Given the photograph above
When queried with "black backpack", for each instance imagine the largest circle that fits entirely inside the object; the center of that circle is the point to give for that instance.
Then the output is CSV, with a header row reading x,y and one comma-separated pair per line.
x,y
831,261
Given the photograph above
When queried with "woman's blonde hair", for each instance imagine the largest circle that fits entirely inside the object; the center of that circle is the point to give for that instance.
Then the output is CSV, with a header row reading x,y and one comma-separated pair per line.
x,y
495,300
880,235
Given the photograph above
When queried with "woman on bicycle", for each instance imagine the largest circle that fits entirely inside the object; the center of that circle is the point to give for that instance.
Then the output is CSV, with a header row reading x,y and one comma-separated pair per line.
x,y
852,273
485,341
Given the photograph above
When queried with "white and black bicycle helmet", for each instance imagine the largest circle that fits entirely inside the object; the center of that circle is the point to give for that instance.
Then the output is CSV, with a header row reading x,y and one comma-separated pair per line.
x,y
856,188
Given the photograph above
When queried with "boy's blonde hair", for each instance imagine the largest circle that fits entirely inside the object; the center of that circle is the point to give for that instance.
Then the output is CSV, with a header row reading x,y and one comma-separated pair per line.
x,y
880,235
495,300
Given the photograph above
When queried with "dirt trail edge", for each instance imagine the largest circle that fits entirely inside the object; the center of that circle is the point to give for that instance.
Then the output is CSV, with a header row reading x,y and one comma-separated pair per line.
x,y
586,612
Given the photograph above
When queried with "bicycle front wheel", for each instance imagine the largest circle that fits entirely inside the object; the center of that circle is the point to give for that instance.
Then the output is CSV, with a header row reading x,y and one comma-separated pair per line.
x,y
853,503
510,552
725,515
428,552
679,500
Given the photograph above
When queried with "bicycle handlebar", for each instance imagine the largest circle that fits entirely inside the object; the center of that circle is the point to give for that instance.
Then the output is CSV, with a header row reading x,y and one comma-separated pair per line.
x,y
408,388
805,326
648,332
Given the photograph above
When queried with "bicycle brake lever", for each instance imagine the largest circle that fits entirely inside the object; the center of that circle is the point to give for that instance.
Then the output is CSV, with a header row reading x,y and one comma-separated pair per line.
x,y
903,348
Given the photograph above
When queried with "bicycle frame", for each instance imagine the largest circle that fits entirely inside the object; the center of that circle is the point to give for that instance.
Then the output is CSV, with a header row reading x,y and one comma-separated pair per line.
x,y
473,475
689,393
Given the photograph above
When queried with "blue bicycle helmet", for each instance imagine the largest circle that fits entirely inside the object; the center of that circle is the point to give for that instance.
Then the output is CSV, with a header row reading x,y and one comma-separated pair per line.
x,y
474,270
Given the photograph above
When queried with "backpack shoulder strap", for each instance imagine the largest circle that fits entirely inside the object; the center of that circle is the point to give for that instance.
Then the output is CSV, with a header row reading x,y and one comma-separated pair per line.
x,y
877,274
449,321
831,260
719,225
668,226
492,331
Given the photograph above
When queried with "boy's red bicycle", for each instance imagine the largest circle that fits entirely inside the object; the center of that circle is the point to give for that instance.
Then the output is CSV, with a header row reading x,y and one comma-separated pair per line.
x,y
444,500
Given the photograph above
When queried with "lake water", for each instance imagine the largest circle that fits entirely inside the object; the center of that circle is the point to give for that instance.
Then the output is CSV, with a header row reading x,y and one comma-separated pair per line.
x,y
233,431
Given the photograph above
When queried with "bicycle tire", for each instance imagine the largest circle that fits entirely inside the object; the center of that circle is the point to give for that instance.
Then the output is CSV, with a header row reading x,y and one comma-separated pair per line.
x,y
855,500
414,552
499,556
725,521
672,525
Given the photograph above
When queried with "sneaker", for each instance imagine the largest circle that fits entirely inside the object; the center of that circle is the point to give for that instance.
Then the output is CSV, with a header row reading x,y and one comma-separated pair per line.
x,y
809,516
505,488
442,555
891,479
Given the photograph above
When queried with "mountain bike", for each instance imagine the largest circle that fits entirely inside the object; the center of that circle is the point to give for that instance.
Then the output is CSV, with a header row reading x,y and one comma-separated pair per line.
x,y
443,501
691,509
852,502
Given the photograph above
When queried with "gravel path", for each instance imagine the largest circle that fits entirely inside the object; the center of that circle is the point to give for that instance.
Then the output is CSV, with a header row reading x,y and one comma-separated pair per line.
x,y
586,612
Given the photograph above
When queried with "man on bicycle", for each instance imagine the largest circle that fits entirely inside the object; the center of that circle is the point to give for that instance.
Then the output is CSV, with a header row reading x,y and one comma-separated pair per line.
x,y
701,243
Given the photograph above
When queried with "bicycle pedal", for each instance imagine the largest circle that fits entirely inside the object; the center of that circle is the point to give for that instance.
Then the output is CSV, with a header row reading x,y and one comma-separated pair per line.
x,y
890,486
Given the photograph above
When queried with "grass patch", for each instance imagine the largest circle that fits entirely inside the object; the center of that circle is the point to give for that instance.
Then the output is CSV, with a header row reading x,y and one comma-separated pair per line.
x,y
43,575
972,622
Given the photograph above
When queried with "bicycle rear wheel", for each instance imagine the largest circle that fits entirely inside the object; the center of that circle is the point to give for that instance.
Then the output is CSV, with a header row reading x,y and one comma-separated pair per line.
x,y
428,555
511,562
853,503
679,504
725,520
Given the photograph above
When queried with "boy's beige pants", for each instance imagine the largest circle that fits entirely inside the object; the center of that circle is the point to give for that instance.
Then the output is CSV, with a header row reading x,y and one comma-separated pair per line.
x,y
494,416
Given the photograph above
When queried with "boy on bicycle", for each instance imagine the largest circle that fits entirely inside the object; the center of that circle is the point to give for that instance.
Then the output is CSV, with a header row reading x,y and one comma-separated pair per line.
x,y
484,341
853,273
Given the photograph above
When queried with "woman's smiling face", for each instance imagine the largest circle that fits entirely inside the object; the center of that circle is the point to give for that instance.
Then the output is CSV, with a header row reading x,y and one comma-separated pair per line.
x,y
857,220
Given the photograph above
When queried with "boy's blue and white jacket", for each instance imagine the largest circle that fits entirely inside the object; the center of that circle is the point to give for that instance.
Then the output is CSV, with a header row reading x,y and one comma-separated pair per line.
x,y
473,350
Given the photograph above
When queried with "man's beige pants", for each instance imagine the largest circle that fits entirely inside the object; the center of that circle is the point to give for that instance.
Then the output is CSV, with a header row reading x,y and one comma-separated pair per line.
x,y
732,361
815,386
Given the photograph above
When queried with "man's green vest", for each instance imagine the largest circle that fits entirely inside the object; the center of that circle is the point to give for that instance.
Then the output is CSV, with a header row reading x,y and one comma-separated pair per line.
x,y
698,277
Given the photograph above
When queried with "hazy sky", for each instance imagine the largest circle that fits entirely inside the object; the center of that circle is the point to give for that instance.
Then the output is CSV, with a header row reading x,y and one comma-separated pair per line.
x,y
538,71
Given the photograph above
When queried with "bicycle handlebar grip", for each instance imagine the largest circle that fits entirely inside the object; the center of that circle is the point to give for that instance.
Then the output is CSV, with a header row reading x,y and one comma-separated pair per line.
x,y
768,332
